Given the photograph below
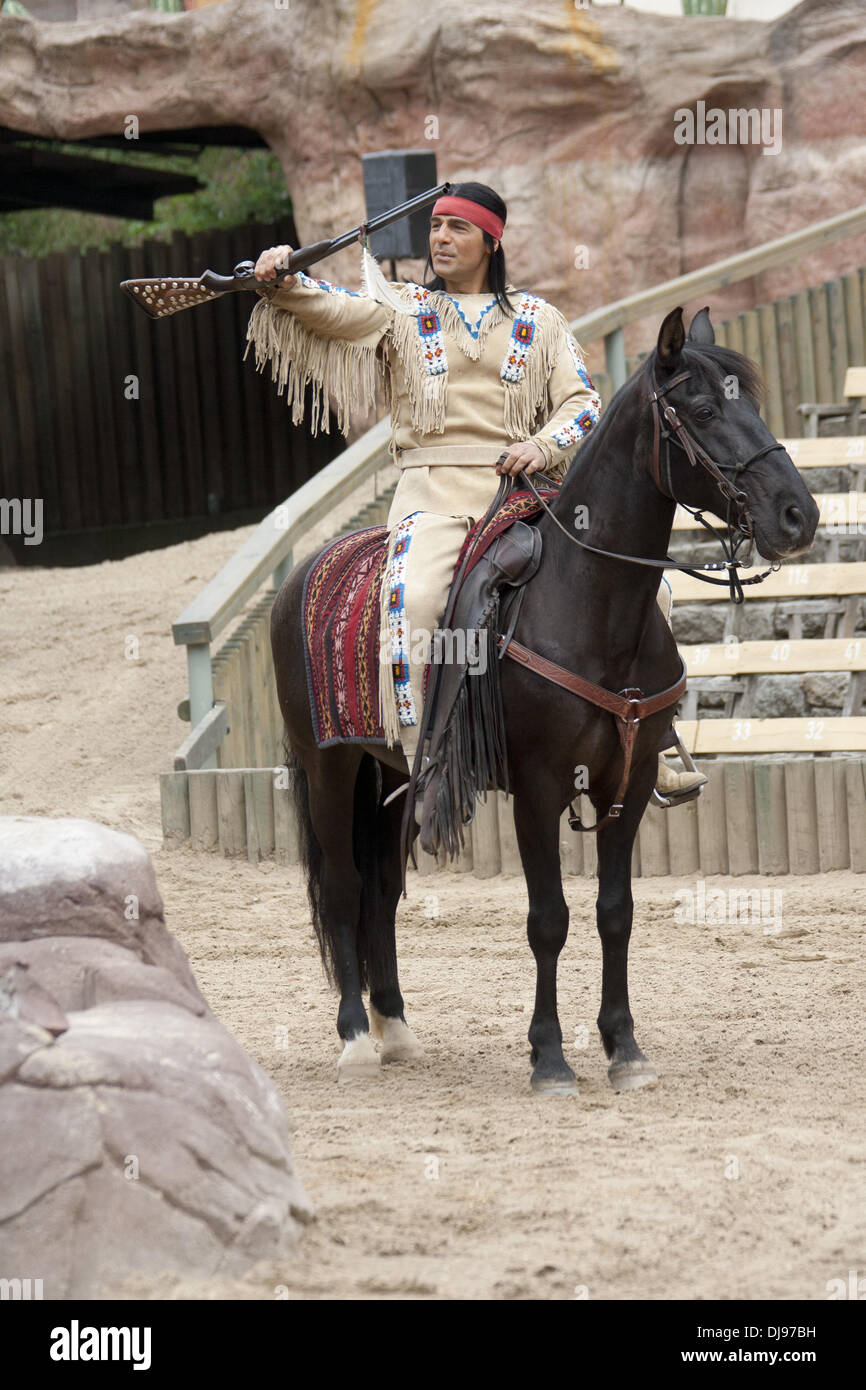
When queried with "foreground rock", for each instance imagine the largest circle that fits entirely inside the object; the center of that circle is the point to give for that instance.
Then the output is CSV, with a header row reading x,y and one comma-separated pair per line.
x,y
136,1136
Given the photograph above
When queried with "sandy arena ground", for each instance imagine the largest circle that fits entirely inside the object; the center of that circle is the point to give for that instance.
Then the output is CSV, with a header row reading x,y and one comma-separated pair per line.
x,y
741,1175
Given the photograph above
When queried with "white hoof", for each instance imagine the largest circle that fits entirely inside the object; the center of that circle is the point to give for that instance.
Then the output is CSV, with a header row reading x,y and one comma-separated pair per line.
x,y
399,1043
632,1076
359,1059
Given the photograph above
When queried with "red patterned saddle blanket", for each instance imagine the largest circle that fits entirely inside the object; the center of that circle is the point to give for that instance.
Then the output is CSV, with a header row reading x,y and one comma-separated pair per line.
x,y
340,613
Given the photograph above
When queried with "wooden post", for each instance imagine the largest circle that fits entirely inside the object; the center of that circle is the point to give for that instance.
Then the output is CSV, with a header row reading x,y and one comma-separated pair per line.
x,y
486,858
231,818
772,817
174,797
742,825
203,819
287,845
788,366
653,839
804,347
855,787
684,854
772,374
838,338
831,803
200,685
259,812
802,816
712,824
821,340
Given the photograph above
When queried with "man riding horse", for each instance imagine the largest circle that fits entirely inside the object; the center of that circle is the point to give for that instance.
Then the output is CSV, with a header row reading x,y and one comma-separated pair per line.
x,y
482,380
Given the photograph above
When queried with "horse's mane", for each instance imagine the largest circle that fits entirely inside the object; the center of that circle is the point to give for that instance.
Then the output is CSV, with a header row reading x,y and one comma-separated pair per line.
x,y
729,362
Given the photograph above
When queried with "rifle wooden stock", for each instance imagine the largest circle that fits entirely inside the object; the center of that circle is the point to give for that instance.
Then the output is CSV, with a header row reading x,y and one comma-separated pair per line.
x,y
168,294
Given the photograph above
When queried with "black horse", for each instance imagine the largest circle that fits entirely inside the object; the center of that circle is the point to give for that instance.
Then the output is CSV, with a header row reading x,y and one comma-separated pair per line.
x,y
592,614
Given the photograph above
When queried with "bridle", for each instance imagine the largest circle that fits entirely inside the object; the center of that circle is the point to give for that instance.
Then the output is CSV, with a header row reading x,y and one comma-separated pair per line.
x,y
737,511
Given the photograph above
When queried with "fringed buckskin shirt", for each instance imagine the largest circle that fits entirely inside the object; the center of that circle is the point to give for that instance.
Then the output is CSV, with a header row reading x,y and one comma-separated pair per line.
x,y
463,380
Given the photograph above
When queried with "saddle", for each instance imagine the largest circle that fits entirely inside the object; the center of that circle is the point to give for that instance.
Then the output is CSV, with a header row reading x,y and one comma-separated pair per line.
x,y
341,620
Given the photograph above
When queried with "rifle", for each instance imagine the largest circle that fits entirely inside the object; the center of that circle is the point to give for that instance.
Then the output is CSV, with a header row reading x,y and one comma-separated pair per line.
x,y
163,296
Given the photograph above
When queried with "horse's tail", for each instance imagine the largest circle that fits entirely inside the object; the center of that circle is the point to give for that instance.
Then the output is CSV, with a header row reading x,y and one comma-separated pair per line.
x,y
371,926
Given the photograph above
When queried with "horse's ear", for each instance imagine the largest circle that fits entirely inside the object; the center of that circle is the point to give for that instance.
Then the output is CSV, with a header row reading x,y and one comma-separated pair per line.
x,y
672,336
700,329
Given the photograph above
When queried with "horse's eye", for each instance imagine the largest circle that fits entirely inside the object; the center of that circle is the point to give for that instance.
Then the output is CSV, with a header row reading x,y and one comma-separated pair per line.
x,y
704,414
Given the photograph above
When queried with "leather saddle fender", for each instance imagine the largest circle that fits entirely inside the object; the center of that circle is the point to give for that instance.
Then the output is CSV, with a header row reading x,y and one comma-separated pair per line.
x,y
470,628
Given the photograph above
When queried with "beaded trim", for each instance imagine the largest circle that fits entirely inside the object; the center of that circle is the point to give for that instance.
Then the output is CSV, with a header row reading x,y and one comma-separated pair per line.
x,y
522,334
473,331
397,621
326,285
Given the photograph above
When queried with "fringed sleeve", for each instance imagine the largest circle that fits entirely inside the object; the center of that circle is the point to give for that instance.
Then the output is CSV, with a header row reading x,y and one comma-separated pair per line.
x,y
320,333
574,405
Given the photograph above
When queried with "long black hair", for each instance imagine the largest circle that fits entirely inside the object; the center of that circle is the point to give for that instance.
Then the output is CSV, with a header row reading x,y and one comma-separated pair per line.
x,y
488,198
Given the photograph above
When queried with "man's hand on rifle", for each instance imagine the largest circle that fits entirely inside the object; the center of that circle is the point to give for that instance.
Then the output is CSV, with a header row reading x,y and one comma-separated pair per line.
x,y
272,260
527,456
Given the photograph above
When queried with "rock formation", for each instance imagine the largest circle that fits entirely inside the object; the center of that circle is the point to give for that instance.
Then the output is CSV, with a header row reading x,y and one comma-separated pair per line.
x,y
136,1136
569,112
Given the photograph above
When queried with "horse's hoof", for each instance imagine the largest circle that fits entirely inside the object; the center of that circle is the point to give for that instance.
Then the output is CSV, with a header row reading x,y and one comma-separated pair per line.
x,y
551,1086
631,1076
555,1083
359,1059
399,1043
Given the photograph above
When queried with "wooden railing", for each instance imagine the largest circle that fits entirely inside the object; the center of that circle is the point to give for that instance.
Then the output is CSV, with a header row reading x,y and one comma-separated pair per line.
x,y
267,554
609,322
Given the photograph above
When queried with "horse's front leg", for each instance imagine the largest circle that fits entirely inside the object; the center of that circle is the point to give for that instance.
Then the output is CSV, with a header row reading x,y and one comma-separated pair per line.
x,y
629,1068
536,821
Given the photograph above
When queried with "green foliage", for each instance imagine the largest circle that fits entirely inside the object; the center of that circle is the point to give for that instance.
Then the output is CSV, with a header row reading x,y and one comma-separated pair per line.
x,y
241,186
705,6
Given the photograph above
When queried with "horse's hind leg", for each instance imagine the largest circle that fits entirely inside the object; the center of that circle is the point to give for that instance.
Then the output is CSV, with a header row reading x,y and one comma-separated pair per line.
x,y
387,1019
335,897
629,1068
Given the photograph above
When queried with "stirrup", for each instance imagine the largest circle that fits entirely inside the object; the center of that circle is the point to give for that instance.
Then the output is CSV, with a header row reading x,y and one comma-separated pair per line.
x,y
679,798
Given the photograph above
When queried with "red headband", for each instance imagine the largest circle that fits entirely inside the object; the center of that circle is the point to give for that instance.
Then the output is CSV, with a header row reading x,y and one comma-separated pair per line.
x,y
471,212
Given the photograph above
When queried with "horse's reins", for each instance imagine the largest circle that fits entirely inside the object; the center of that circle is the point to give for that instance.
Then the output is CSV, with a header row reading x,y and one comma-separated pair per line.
x,y
629,706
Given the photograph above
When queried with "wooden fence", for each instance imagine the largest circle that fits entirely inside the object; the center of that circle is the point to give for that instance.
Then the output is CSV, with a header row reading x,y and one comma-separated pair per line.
x,y
116,420
802,344
800,815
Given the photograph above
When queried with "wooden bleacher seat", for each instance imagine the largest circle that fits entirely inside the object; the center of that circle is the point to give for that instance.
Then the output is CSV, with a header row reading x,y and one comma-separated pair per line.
x,y
747,736
744,662
834,590
848,410
843,451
